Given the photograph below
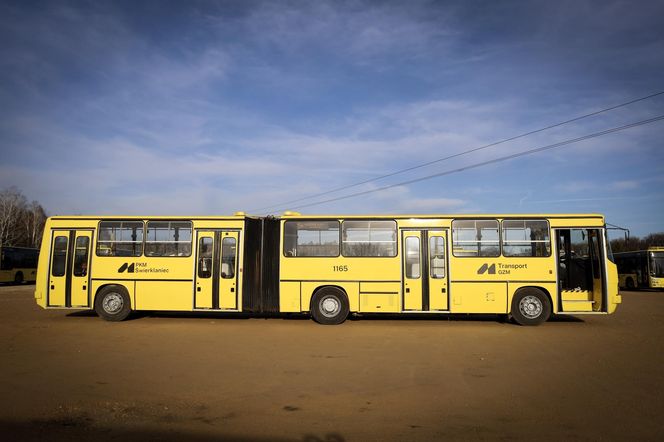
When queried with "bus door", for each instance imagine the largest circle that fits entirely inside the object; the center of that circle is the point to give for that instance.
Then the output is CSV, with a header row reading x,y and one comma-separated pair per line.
x,y
581,276
69,272
424,263
216,270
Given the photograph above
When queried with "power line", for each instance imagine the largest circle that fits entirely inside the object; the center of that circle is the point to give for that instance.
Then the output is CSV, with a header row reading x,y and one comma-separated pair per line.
x,y
485,163
465,152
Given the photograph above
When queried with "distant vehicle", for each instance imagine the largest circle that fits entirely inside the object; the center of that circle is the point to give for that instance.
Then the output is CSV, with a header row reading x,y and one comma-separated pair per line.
x,y
642,269
18,264
524,266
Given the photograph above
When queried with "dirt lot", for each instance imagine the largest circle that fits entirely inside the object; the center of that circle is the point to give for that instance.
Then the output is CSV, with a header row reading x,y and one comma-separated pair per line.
x,y
71,375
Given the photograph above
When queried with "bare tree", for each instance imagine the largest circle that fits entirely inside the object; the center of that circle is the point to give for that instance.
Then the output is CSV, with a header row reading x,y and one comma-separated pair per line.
x,y
34,218
12,204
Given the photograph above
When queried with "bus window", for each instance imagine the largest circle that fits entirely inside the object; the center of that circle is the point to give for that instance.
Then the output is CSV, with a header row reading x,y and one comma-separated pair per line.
x,y
311,238
81,256
205,257
228,253
59,256
412,257
120,238
526,238
437,257
168,238
369,238
475,238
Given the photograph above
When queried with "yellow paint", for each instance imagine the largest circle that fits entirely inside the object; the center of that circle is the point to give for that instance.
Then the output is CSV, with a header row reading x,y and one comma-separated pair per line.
x,y
80,283
163,295
577,306
471,297
289,296
204,277
379,303
577,295
413,266
228,286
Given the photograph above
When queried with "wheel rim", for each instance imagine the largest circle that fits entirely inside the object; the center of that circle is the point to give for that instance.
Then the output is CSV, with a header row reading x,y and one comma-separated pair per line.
x,y
531,307
112,303
329,306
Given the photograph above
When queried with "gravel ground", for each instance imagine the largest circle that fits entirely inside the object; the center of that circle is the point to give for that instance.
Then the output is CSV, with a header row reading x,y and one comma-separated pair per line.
x,y
70,375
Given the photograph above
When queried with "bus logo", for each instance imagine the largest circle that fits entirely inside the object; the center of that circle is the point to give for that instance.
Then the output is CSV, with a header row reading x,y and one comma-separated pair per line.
x,y
127,267
486,267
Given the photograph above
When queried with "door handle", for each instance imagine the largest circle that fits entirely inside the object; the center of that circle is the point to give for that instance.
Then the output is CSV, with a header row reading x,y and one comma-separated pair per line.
x,y
407,290
198,289
442,290
232,289
83,287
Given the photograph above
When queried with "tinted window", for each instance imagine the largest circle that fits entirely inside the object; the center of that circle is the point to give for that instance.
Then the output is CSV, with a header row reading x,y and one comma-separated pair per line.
x,y
120,238
205,257
59,260
475,238
526,238
311,238
81,249
369,238
168,238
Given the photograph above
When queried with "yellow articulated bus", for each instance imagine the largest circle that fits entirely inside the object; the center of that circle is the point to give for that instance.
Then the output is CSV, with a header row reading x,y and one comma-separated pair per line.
x,y
525,266
18,264
641,269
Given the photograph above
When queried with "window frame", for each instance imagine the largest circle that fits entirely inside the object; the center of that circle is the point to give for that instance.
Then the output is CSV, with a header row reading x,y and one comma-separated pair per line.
x,y
145,238
283,237
502,241
396,236
98,240
499,241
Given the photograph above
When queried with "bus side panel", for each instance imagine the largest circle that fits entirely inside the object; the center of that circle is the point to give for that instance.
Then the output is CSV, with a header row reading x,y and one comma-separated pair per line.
x,y
128,285
41,283
289,299
474,297
164,295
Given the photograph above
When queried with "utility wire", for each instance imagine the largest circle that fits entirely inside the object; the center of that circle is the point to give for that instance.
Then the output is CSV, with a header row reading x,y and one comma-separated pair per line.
x,y
465,152
492,161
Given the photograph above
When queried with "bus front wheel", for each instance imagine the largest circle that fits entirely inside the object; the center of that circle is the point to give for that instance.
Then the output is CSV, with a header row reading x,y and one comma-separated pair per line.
x,y
112,303
530,306
329,306
629,284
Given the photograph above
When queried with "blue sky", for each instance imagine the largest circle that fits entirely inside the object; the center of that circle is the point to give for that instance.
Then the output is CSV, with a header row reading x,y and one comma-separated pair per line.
x,y
202,108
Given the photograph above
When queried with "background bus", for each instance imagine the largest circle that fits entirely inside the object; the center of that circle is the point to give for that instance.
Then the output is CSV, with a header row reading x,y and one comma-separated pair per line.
x,y
18,264
641,269
524,266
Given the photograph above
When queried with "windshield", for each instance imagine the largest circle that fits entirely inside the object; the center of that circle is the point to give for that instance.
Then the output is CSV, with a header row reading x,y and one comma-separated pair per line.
x,y
657,264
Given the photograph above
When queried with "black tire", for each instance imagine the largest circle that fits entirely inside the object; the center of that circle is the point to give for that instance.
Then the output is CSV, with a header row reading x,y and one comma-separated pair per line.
x,y
329,306
112,303
18,278
530,306
629,283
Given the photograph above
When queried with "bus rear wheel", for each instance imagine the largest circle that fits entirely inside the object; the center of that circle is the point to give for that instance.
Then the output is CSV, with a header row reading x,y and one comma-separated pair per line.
x,y
530,306
112,303
329,306
629,284
18,278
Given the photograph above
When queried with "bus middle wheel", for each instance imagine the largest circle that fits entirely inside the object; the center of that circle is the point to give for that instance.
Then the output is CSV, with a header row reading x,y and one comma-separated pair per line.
x,y
329,306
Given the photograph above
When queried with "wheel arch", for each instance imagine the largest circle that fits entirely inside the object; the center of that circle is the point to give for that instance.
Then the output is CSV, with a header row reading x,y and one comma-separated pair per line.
x,y
115,284
552,303
325,286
